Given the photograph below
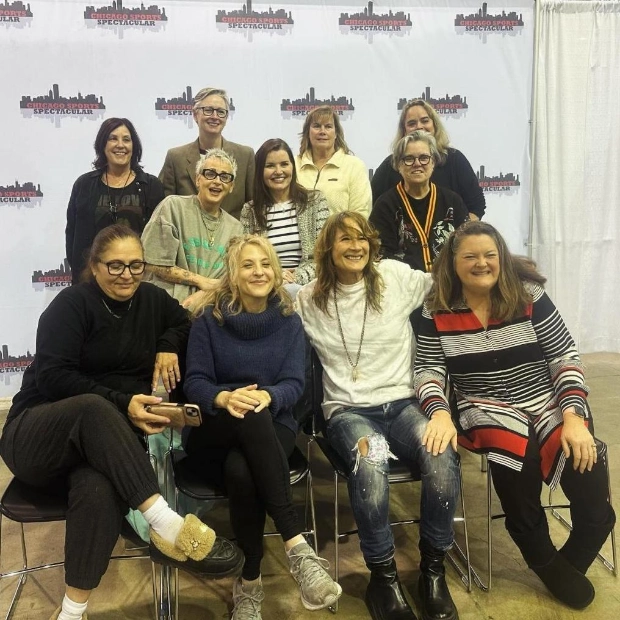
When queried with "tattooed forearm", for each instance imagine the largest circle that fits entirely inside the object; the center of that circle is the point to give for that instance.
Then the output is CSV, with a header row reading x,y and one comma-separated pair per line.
x,y
174,275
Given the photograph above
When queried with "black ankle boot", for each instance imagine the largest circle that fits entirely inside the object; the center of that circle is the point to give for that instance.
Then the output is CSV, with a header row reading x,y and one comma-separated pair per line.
x,y
437,604
562,579
385,598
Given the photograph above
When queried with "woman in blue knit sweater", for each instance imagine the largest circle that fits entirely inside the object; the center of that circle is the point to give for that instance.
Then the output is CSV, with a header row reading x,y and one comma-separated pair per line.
x,y
245,368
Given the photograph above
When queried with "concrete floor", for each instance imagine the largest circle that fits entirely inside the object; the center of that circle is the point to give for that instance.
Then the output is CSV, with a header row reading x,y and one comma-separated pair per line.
x,y
125,592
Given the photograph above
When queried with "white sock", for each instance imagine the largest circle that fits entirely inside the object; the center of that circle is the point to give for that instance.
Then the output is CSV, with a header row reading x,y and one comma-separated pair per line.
x,y
71,610
164,520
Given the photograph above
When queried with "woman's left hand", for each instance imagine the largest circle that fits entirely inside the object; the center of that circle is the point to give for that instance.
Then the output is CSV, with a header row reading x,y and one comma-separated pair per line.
x,y
166,367
440,431
576,437
288,275
263,398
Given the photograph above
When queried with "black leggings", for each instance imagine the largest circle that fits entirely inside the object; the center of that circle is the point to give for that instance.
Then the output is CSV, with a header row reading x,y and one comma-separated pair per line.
x,y
519,494
85,445
249,458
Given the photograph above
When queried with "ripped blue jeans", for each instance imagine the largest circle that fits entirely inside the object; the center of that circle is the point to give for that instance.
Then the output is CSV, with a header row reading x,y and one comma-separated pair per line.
x,y
402,424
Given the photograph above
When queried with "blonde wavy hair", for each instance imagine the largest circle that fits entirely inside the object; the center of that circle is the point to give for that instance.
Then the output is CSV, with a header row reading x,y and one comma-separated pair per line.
x,y
225,296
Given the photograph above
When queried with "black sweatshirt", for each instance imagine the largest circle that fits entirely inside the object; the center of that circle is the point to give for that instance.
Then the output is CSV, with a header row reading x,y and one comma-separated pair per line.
x,y
82,348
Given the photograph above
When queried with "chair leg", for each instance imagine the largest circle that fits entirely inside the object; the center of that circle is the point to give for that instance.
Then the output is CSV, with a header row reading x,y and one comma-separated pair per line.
x,y
610,565
310,496
463,556
23,576
334,608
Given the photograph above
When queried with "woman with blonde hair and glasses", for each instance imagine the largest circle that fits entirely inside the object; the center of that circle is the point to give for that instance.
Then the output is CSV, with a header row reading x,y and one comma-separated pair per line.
x,y
245,369
326,163
452,170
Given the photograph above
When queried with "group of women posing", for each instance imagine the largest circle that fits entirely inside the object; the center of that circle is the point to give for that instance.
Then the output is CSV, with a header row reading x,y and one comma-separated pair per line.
x,y
420,193
80,418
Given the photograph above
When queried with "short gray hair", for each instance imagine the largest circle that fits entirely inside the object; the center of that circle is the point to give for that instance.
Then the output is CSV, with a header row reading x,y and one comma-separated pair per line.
x,y
216,154
416,136
203,93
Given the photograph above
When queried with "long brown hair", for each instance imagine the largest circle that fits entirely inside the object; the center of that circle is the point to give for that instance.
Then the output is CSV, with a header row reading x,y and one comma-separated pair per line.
x,y
441,135
326,276
509,298
226,294
316,115
263,200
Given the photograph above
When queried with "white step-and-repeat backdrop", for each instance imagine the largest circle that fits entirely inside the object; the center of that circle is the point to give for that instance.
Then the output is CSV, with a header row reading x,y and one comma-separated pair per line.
x,y
68,64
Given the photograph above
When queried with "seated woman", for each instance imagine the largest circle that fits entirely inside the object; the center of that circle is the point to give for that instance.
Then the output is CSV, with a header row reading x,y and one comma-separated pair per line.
x,y
79,420
521,399
452,170
415,218
289,215
326,163
245,368
356,316
117,191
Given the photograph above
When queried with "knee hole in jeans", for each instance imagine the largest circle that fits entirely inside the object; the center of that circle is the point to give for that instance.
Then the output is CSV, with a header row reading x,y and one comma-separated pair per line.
x,y
373,449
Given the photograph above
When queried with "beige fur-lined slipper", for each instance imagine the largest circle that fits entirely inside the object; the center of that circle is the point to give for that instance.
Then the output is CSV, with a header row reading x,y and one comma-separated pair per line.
x,y
194,541
57,613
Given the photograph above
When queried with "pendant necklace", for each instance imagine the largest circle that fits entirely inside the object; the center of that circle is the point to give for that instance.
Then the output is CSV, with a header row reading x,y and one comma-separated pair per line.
x,y
211,231
354,373
117,316
117,203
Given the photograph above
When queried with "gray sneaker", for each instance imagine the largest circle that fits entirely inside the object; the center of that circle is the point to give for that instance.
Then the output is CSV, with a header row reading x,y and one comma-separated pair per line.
x,y
246,603
318,589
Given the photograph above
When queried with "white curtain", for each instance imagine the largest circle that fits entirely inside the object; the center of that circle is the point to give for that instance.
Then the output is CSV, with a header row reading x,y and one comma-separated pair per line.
x,y
576,166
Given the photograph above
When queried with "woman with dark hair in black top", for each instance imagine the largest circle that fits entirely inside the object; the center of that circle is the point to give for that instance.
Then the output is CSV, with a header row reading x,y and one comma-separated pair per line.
x,y
117,191
79,420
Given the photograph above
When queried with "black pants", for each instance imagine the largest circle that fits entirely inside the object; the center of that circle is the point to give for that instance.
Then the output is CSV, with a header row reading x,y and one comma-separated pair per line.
x,y
249,459
87,446
519,493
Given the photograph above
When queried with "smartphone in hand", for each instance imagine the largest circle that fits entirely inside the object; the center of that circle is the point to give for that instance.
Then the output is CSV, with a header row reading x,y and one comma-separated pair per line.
x,y
179,414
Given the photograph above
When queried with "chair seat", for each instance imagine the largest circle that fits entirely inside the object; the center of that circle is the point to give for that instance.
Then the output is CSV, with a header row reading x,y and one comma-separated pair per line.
x,y
24,503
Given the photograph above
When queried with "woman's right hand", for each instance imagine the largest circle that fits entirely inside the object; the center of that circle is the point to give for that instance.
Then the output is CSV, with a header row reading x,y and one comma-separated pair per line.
x,y
239,401
150,423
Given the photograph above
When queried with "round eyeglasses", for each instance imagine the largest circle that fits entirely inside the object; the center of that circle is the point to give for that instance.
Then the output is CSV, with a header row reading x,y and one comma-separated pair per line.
x,y
117,267
225,177
209,111
409,160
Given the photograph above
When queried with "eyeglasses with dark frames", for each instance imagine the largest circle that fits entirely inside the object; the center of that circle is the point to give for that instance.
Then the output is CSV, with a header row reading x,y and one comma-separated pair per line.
x,y
117,267
210,174
209,111
409,160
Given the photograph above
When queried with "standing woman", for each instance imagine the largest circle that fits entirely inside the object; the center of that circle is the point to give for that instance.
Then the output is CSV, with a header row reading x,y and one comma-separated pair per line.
x,y
245,368
118,191
285,212
415,218
452,170
521,399
326,163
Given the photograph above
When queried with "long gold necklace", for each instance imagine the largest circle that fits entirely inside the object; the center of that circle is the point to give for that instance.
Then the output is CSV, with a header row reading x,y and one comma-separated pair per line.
x,y
211,232
354,373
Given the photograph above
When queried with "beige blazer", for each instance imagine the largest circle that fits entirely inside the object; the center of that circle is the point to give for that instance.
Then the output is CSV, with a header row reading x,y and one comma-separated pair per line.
x,y
178,175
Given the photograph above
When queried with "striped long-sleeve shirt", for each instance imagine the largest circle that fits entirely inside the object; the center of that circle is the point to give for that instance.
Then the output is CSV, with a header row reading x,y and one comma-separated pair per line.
x,y
506,377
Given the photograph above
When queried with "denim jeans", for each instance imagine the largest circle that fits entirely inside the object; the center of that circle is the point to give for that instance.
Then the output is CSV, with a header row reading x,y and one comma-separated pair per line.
x,y
402,424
